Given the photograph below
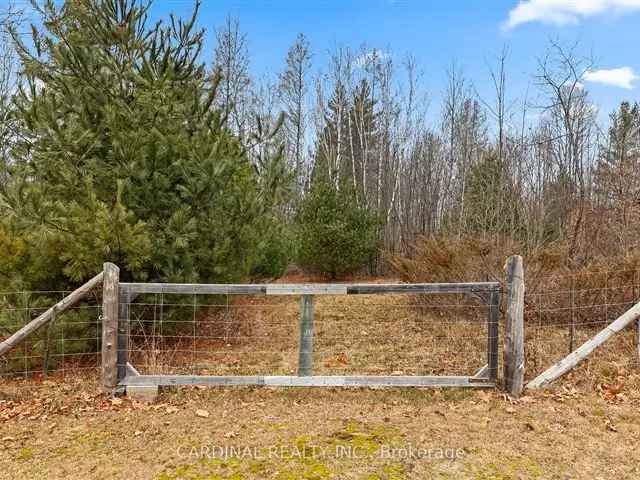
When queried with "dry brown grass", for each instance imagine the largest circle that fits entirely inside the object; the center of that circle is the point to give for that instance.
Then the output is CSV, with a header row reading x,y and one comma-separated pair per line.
x,y
390,334
565,303
64,429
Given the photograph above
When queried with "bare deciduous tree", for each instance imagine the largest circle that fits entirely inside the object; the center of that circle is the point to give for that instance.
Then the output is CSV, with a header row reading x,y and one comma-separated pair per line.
x,y
10,18
571,119
231,59
294,89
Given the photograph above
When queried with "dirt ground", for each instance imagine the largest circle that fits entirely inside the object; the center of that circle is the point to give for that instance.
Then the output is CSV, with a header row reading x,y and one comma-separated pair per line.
x,y
63,428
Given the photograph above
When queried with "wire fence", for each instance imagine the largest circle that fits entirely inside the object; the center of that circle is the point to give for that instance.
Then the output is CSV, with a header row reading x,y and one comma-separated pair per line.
x,y
404,334
70,343
564,311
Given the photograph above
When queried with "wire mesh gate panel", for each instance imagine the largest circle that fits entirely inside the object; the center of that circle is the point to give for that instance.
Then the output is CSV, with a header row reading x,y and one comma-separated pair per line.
x,y
441,334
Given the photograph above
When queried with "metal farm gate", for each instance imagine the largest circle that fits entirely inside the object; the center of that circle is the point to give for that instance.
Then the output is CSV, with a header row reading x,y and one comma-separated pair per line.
x,y
125,341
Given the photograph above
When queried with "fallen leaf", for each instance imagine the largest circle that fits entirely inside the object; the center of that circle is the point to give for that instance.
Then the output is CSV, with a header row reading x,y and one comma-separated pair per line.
x,y
202,413
116,401
610,426
171,410
137,433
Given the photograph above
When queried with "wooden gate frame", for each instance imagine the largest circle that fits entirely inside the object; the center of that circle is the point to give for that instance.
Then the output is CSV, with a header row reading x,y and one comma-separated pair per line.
x,y
118,373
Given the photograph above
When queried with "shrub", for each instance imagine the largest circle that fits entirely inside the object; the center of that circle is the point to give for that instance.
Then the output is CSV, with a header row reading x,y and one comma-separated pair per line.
x,y
443,259
334,235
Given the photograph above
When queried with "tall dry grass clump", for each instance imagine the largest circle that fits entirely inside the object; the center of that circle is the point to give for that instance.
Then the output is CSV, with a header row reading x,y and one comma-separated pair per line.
x,y
557,291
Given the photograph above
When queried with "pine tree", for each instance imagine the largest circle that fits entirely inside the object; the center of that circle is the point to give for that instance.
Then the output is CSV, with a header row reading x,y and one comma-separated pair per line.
x,y
126,157
361,167
617,178
334,235
332,145
491,199
337,230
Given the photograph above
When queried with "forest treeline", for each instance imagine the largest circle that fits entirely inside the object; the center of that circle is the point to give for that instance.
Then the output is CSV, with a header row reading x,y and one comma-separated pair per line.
x,y
120,142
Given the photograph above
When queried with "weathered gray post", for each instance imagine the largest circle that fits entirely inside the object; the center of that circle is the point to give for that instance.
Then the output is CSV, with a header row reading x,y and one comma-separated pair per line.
x,y
514,327
110,294
305,357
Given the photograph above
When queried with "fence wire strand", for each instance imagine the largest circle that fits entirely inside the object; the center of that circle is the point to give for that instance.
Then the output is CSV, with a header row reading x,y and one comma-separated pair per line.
x,y
256,335
566,310
354,335
68,344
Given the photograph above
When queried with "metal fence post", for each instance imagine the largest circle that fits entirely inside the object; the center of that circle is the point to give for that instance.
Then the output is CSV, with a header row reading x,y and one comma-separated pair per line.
x,y
47,351
493,334
110,294
124,298
305,357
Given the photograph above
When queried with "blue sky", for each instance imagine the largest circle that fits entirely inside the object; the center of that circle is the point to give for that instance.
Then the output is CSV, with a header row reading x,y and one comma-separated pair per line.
x,y
439,32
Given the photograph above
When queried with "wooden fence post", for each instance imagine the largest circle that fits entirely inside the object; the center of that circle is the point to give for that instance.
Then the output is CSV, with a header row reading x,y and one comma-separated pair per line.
x,y
110,298
305,357
578,355
514,327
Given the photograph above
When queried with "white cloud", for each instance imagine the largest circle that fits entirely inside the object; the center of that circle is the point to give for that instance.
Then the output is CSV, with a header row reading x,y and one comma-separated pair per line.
x,y
622,77
372,56
563,12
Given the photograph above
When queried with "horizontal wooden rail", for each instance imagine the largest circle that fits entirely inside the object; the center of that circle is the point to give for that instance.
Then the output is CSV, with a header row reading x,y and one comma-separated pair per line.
x,y
314,381
67,302
310,288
